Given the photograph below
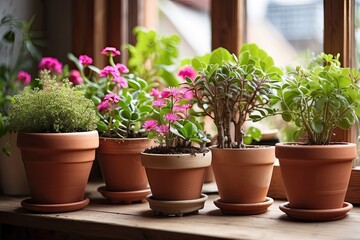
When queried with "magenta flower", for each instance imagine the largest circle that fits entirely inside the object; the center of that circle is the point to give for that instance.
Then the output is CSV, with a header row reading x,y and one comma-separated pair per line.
x,y
104,106
24,77
182,108
150,124
187,71
155,93
162,128
188,93
110,51
171,117
159,103
122,68
85,60
171,91
51,64
75,77
121,81
109,71
112,97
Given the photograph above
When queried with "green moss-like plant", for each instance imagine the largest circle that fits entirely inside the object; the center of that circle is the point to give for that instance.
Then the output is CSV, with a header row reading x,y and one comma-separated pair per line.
x,y
56,108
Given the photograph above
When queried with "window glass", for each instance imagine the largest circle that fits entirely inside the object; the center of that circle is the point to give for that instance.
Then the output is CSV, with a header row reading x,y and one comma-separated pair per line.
x,y
357,57
288,30
190,19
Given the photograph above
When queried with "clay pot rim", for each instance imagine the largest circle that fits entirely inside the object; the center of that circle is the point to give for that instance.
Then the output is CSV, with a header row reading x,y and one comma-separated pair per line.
x,y
306,145
124,139
171,161
59,134
248,148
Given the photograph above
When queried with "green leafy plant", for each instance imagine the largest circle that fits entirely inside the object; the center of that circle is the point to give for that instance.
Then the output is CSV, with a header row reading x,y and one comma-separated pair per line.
x,y
319,98
19,47
153,57
53,109
230,89
122,100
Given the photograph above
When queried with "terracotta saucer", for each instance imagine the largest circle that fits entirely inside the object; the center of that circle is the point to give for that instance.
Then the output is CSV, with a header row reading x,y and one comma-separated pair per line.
x,y
316,215
177,208
243,209
28,204
125,197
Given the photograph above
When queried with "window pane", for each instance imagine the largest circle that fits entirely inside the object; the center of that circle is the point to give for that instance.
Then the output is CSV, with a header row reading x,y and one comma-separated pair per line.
x,y
357,55
190,19
287,30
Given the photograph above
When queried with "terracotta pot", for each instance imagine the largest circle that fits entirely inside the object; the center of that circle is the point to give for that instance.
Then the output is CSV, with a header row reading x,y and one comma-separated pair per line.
x,y
12,171
316,176
209,175
175,177
243,175
120,163
57,165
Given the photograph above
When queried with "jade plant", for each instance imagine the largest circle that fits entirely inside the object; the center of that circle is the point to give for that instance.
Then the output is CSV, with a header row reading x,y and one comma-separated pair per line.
x,y
54,108
319,98
231,89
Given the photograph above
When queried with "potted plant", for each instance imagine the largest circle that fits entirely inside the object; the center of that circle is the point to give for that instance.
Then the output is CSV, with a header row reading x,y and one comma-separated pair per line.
x,y
19,53
229,90
176,168
55,126
122,106
316,171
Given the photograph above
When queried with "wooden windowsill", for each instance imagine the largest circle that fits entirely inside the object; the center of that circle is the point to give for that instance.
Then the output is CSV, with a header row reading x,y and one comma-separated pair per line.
x,y
101,220
277,190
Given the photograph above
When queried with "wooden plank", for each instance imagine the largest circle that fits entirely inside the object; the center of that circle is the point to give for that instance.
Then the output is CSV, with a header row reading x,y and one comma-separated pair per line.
x,y
137,221
227,24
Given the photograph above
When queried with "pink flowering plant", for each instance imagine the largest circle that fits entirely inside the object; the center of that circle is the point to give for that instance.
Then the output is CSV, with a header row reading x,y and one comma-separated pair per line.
x,y
120,97
172,126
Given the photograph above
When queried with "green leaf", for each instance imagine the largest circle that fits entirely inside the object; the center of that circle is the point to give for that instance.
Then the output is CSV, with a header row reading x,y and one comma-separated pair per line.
x,y
286,116
101,126
317,126
219,55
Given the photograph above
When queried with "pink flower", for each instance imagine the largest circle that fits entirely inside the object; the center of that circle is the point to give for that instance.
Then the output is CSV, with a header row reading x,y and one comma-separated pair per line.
x,y
110,51
171,117
182,108
162,128
24,77
171,91
104,106
187,71
51,64
75,77
150,124
122,68
121,81
155,93
159,103
85,60
188,93
112,97
109,71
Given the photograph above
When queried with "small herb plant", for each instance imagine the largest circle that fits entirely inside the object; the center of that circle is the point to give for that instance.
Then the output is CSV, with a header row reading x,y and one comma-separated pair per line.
x,y
56,108
121,98
172,126
319,98
230,89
